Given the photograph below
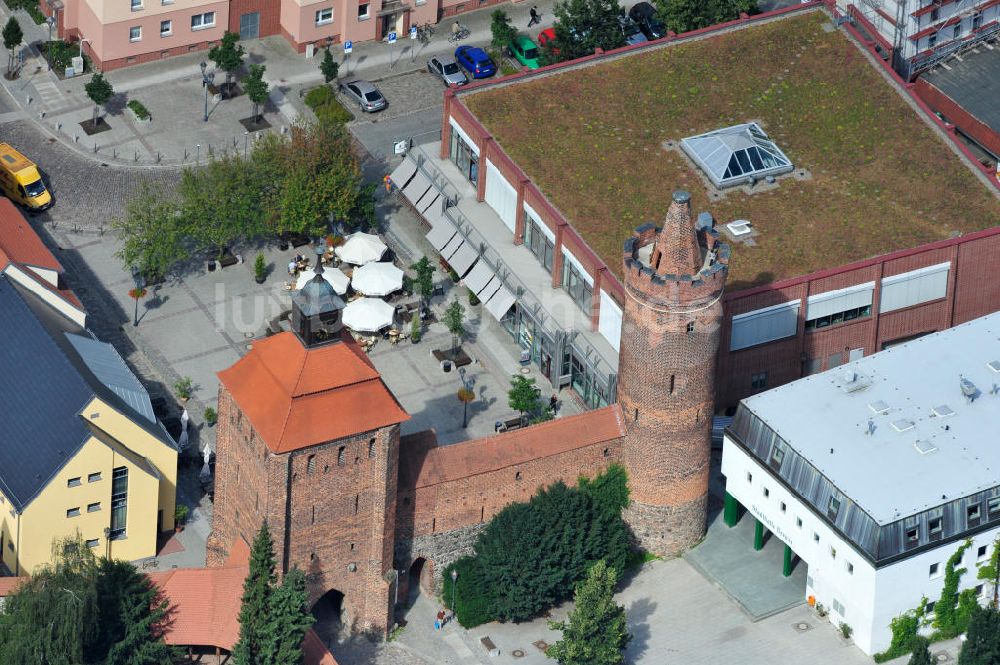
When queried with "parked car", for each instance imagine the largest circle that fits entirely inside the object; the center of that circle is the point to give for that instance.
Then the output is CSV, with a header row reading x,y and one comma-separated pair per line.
x,y
475,61
633,34
548,36
644,14
446,69
525,51
365,94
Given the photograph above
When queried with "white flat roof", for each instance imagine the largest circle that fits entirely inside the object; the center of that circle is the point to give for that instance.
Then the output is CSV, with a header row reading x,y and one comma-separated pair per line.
x,y
930,444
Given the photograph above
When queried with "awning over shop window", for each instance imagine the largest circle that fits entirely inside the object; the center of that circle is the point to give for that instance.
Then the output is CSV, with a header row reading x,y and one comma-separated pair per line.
x,y
462,258
478,277
403,173
431,198
417,187
441,234
501,301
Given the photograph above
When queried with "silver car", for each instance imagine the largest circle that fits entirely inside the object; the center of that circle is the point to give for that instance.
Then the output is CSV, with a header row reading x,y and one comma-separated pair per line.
x,y
446,69
365,94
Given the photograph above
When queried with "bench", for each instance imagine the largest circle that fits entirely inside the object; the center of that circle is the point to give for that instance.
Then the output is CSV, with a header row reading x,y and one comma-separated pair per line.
x,y
490,647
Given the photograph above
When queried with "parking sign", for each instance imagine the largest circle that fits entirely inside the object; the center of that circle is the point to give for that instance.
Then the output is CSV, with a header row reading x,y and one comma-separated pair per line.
x,y
348,46
392,37
413,32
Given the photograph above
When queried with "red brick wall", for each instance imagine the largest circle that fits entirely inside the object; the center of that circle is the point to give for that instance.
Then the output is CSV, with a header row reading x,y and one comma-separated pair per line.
x,y
471,500
159,54
958,116
270,15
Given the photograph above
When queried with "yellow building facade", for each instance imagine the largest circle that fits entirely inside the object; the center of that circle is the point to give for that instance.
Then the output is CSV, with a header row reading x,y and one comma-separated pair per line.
x,y
81,450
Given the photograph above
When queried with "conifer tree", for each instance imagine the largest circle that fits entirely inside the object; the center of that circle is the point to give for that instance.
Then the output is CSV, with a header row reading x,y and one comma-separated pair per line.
x,y
921,655
596,632
288,621
257,591
328,67
134,613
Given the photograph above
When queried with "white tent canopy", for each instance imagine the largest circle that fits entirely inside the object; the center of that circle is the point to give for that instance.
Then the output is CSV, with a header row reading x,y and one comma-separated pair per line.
x,y
377,279
361,248
368,315
334,276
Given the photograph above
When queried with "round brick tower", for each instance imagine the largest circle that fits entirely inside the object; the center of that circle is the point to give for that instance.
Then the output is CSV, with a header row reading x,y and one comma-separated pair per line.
x,y
674,280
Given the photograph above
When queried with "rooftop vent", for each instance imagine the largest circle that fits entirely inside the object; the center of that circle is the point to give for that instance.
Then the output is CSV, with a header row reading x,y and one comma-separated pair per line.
x,y
968,388
740,227
902,425
924,447
879,407
705,221
994,365
943,411
849,380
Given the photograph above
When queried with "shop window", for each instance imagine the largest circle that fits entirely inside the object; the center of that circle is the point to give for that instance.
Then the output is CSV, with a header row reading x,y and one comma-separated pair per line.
x,y
977,21
538,243
577,287
932,40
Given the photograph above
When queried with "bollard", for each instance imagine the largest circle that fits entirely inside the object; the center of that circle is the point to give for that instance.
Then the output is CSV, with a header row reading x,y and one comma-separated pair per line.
x,y
136,159
29,100
58,126
157,156
185,155
95,146
76,138
42,114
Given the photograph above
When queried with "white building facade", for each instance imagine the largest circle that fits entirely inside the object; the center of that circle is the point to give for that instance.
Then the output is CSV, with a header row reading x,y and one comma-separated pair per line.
x,y
917,34
874,474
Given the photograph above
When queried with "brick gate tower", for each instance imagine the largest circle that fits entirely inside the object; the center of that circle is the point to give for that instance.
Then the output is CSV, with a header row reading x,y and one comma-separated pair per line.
x,y
674,279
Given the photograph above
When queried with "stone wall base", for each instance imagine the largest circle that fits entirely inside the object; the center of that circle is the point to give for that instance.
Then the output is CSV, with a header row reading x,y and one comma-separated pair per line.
x,y
668,530
438,549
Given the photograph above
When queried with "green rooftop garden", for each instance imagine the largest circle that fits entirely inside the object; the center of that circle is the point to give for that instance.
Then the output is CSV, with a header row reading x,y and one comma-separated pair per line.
x,y
881,179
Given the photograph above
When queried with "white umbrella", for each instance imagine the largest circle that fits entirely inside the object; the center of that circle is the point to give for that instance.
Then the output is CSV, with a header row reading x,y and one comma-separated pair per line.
x,y
334,276
361,248
368,315
377,279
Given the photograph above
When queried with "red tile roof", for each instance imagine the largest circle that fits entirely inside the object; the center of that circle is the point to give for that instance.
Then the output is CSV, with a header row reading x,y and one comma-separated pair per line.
x,y
20,243
297,397
9,584
422,466
205,606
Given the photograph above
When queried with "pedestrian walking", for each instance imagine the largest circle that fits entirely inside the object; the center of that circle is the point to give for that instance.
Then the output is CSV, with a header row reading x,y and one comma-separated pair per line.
x,y
535,16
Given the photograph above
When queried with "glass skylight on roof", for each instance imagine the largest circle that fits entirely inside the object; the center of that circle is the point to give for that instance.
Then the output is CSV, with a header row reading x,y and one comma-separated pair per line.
x,y
735,155
902,425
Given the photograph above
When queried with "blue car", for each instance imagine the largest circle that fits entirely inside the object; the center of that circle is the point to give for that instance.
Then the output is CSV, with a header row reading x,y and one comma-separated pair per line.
x,y
475,61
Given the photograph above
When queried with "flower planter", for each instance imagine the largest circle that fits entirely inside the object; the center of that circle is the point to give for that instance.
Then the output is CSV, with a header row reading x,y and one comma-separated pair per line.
x,y
136,119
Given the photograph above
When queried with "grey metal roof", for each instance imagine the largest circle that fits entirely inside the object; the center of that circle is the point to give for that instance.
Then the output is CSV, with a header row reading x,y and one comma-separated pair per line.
x,y
973,83
732,155
903,431
111,370
41,395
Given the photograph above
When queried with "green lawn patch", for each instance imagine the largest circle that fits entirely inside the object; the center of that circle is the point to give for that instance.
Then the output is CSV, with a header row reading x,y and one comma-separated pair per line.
x,y
882,180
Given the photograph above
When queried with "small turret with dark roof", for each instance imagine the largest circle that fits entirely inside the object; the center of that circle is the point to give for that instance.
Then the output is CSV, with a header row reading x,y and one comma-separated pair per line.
x,y
317,309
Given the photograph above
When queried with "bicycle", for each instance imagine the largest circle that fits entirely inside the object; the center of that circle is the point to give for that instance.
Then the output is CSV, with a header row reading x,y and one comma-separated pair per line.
x,y
463,33
425,32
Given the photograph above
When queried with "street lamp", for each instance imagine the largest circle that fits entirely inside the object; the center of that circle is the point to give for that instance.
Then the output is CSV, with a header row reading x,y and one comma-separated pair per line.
x,y
51,20
206,80
140,284
454,585
468,394
107,540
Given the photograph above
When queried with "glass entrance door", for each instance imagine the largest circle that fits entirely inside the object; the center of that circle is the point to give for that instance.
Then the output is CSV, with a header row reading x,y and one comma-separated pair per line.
x,y
250,25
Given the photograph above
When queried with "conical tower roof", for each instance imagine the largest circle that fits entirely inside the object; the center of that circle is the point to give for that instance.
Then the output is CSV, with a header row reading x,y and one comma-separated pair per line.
x,y
676,250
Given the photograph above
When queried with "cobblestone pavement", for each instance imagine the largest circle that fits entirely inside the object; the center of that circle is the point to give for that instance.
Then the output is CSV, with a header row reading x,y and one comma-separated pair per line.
x,y
405,93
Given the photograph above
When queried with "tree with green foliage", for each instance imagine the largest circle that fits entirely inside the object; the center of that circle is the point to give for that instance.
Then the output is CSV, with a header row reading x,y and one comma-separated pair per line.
x,y
151,239
523,396
585,25
220,204
990,571
83,610
685,15
466,595
255,617
228,56
328,66
946,617
256,88
424,282
596,632
982,644
363,212
454,321
608,490
920,654
134,616
503,33
99,90
287,622
12,38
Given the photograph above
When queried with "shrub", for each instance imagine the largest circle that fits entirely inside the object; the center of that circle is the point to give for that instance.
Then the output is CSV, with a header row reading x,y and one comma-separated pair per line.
x,y
904,631
846,630
181,513
469,599
473,299
140,111
415,331
61,55
609,490
333,113
183,387
30,6
321,94
210,416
